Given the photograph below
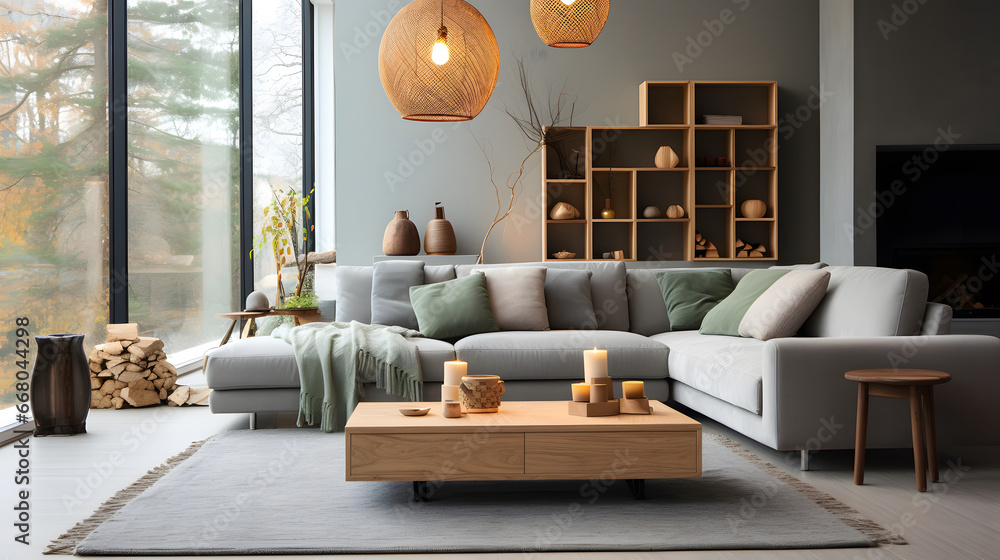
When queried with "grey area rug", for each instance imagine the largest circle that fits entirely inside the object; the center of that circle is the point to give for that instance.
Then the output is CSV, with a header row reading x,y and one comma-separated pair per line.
x,y
282,492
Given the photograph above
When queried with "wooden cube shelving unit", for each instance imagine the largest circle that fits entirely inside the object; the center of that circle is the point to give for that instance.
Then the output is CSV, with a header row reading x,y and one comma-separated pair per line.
x,y
617,163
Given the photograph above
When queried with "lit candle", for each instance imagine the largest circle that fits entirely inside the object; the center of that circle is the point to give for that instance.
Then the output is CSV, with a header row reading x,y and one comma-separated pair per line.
x,y
633,389
581,392
449,393
595,363
454,371
598,393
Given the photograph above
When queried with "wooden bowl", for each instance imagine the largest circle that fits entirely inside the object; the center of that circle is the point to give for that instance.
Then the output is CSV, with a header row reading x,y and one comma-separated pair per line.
x,y
414,411
564,255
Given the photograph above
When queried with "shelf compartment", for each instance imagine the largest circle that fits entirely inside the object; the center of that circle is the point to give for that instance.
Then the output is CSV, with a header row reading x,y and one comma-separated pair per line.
x,y
712,188
563,236
572,193
636,148
664,103
755,148
660,190
755,185
716,225
619,184
661,240
754,101
608,237
565,153
711,145
756,233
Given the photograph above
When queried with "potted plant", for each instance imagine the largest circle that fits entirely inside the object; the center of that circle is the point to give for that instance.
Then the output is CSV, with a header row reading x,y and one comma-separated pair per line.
x,y
284,228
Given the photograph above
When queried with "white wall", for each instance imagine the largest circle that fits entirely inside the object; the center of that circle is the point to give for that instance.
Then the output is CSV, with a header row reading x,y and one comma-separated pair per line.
x,y
769,40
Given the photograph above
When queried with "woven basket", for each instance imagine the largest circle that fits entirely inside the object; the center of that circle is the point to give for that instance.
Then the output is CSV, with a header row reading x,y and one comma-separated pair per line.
x,y
420,89
569,27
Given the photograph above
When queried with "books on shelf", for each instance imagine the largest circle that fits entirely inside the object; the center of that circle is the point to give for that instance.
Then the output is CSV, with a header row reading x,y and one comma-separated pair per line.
x,y
724,120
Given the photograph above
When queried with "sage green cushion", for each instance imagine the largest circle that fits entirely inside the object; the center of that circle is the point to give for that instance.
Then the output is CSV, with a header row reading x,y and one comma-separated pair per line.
x,y
690,294
454,308
725,318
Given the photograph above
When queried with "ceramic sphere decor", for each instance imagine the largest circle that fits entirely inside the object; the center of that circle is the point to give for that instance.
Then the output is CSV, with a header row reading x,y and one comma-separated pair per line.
x,y
401,237
675,211
651,212
439,237
257,301
666,158
569,24
438,61
753,209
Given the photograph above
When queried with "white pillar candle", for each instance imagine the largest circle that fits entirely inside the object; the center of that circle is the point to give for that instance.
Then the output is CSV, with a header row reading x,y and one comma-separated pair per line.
x,y
595,364
598,393
581,392
449,393
454,371
633,389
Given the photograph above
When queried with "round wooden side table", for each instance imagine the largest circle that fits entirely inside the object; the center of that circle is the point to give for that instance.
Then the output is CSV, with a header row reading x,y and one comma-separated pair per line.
x,y
917,385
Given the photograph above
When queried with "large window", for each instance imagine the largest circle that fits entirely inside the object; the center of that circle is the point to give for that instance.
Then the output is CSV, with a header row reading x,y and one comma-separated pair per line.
x,y
53,172
189,67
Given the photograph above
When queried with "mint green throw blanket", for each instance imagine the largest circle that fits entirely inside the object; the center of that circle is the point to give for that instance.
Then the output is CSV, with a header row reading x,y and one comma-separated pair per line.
x,y
334,359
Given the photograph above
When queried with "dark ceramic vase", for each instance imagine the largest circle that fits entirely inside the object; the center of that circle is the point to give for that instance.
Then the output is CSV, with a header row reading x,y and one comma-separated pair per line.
x,y
60,385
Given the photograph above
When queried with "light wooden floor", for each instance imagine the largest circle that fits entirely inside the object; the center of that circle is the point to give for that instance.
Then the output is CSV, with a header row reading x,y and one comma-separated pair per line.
x,y
71,476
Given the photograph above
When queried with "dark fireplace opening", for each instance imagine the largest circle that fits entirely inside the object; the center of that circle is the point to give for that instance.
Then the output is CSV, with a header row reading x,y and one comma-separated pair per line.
x,y
936,211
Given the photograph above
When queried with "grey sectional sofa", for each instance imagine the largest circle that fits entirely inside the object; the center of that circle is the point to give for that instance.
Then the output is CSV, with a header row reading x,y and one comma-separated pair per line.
x,y
788,393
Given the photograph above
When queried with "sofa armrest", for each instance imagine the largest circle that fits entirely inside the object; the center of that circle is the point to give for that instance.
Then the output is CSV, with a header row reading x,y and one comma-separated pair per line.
x,y
937,319
810,403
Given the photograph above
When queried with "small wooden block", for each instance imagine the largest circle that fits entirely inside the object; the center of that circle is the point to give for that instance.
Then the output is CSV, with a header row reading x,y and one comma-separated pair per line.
x,y
634,406
605,381
609,408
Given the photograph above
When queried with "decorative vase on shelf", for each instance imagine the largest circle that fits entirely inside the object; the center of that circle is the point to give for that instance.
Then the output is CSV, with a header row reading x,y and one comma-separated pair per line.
x,y
753,209
60,385
439,237
666,158
675,211
564,211
608,213
401,237
651,212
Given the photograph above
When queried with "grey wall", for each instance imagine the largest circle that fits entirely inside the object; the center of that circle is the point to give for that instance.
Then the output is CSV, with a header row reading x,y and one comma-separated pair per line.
x,y
935,69
836,165
769,40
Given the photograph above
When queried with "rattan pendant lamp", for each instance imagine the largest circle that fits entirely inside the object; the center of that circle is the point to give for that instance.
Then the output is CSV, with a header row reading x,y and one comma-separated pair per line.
x,y
569,24
438,61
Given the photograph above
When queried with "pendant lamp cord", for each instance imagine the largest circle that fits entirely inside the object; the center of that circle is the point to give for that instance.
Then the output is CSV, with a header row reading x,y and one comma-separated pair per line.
x,y
442,13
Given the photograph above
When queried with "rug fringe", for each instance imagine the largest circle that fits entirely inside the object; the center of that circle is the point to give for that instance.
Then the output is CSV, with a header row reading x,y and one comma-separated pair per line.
x,y
66,543
838,509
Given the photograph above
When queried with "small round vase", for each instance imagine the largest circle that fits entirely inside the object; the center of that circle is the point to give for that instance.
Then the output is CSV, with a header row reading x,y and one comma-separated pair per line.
x,y
439,237
666,158
401,237
651,212
60,385
608,213
675,211
753,209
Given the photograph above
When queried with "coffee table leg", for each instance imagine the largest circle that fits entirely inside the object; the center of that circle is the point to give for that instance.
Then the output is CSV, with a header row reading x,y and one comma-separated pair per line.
x,y
420,491
861,435
919,450
638,487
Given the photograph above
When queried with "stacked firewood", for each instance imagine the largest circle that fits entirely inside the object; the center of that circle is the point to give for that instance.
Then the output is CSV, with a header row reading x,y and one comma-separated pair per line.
x,y
132,370
703,248
749,250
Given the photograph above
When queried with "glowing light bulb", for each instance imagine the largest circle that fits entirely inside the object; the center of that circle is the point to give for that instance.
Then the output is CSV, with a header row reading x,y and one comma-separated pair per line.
x,y
439,53
568,2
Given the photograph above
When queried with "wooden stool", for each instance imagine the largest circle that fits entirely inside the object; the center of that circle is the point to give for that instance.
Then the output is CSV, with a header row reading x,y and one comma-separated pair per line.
x,y
915,385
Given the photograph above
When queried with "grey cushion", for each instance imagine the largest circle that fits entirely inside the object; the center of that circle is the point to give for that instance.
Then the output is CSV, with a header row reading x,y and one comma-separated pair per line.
x,y
647,312
433,354
725,367
569,300
559,354
391,284
259,362
937,319
607,288
870,301
813,266
354,294
438,273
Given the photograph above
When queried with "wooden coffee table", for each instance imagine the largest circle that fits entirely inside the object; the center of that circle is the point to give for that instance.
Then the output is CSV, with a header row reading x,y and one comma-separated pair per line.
x,y
531,440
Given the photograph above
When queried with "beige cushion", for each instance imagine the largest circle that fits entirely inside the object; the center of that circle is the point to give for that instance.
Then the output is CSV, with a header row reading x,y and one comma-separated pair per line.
x,y
782,309
517,297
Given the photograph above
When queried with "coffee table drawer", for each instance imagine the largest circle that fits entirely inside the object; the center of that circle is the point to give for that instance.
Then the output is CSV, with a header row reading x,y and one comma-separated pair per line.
x,y
622,454
433,456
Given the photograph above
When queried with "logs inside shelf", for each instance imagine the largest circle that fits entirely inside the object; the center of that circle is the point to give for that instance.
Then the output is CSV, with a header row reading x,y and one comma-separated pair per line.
x,y
703,248
753,209
749,250
675,211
